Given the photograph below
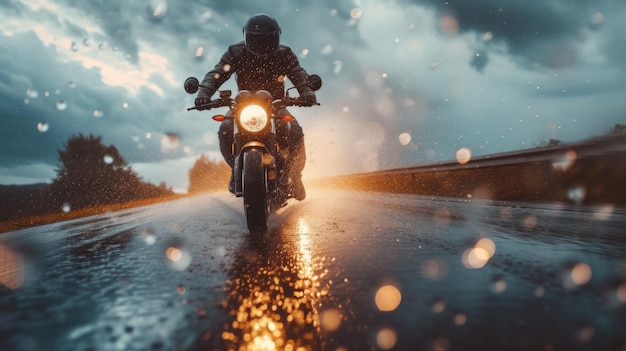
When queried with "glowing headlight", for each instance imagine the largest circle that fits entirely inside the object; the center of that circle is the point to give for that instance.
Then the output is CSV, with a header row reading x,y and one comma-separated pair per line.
x,y
253,118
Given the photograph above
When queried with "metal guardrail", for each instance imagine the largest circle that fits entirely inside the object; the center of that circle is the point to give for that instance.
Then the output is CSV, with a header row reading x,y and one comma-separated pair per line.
x,y
590,172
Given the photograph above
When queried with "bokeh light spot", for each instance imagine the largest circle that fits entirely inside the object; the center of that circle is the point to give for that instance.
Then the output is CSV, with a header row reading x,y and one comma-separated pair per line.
x,y
388,298
463,155
386,338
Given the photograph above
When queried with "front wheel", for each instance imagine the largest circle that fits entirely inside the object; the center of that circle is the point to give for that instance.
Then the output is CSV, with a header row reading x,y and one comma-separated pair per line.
x,y
255,191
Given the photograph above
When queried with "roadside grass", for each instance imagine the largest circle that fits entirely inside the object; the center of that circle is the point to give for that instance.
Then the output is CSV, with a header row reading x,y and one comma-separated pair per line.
x,y
26,222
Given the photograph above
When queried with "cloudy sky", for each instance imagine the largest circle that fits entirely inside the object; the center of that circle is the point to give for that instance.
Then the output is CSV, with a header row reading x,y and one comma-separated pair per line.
x,y
406,82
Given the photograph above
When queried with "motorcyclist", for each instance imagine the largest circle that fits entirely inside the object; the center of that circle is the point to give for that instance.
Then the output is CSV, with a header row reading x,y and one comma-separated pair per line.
x,y
261,63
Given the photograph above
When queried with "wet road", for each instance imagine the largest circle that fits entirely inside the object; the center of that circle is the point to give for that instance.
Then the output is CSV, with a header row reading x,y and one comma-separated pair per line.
x,y
339,271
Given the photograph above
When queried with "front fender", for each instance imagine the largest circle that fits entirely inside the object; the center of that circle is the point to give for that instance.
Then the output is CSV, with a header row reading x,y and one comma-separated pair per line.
x,y
268,161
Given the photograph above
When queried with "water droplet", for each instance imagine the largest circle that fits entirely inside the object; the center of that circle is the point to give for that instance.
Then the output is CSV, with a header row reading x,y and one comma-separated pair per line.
x,y
108,159
98,113
434,269
43,127
330,320
438,306
338,65
158,9
125,105
177,257
181,290
327,49
576,275
585,334
356,13
564,162
170,142
463,155
386,338
460,319
71,84
147,234
498,285
404,138
576,194
66,207
31,93
199,52
61,105
388,298
74,47
477,256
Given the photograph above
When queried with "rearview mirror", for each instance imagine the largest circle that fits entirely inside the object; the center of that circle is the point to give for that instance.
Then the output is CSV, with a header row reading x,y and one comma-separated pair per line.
x,y
315,82
191,85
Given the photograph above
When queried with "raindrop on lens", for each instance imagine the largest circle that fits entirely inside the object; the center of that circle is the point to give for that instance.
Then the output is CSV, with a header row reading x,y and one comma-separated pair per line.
x,y
158,9
330,320
66,207
177,257
61,105
404,138
388,298
147,234
327,49
43,127
74,47
108,159
463,155
33,94
199,52
386,338
338,65
576,194
97,113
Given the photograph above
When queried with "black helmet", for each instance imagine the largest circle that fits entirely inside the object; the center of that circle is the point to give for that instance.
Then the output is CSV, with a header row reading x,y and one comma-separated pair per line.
x,y
261,34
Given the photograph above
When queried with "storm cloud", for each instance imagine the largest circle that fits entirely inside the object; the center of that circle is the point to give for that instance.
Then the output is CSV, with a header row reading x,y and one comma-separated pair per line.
x,y
405,81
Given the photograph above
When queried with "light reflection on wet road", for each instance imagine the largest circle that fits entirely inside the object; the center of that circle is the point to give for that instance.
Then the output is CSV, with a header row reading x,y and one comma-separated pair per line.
x,y
339,271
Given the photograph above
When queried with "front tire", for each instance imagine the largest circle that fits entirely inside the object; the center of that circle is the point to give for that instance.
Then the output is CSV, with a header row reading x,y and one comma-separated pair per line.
x,y
255,191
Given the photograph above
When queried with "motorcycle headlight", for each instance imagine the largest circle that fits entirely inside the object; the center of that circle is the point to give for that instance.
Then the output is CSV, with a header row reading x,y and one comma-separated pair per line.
x,y
253,118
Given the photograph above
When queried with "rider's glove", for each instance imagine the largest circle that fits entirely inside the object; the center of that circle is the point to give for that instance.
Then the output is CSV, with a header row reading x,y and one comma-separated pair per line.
x,y
308,96
202,101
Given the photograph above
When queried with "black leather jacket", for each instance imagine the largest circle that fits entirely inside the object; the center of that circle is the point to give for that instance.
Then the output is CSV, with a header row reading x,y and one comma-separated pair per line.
x,y
256,72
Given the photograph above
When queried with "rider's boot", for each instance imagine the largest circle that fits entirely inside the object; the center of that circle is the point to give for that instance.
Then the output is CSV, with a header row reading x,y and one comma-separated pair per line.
x,y
298,188
297,165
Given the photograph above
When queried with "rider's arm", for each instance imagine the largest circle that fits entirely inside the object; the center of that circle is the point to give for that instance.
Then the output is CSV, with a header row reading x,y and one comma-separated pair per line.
x,y
296,74
221,72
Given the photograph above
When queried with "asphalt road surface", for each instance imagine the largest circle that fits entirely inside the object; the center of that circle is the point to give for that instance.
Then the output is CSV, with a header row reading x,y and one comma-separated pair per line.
x,y
340,271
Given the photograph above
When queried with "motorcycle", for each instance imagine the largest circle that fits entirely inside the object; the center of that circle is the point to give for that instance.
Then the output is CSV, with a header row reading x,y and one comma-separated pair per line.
x,y
260,172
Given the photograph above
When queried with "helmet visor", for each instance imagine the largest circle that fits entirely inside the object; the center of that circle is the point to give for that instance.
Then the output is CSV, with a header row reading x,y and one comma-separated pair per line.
x,y
262,43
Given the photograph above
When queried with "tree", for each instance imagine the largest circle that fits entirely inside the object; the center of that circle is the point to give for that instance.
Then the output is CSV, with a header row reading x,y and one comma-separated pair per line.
x,y
207,175
93,174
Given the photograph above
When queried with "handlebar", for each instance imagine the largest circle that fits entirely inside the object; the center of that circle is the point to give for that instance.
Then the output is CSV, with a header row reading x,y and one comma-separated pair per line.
x,y
226,102
212,104
287,101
